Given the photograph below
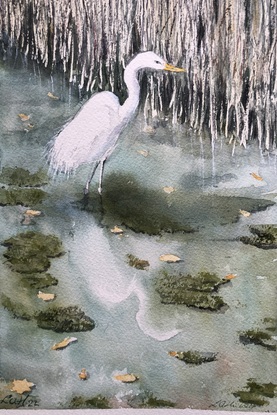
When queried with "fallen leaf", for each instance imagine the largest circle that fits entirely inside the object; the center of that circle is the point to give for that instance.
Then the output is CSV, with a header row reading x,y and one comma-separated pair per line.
x,y
30,126
135,262
244,213
169,258
50,95
144,153
21,386
83,375
256,176
64,343
169,189
24,117
116,230
230,277
128,378
174,354
31,212
46,296
149,129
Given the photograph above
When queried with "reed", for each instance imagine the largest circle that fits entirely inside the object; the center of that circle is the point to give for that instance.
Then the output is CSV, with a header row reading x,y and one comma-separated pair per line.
x,y
227,46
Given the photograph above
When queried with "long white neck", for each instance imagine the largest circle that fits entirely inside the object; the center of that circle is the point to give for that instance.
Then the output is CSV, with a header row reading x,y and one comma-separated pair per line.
x,y
130,105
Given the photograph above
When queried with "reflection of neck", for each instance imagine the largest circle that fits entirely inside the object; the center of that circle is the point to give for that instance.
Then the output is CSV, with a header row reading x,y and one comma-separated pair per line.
x,y
131,103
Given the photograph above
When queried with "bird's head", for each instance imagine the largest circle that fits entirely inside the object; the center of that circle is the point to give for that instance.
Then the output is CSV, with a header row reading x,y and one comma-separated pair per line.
x,y
153,61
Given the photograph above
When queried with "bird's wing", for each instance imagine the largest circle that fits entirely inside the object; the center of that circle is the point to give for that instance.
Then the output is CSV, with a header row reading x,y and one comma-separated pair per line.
x,y
89,135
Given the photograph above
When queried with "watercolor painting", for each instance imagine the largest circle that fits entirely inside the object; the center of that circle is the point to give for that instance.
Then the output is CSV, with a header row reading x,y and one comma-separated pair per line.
x,y
138,191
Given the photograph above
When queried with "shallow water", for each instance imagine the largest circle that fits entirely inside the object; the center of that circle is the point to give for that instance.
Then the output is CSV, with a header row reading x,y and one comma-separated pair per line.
x,y
134,331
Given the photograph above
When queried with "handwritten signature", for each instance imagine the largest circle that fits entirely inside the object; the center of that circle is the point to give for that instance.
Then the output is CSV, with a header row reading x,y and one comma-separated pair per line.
x,y
231,404
27,401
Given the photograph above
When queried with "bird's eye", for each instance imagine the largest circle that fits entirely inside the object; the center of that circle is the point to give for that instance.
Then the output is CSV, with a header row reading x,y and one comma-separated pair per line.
x,y
158,62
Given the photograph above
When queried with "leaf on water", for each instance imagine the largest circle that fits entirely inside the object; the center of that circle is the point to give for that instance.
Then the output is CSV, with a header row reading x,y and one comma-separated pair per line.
x,y
169,258
173,354
149,129
256,176
64,343
46,296
244,213
128,378
83,375
230,277
144,153
21,386
169,189
50,95
24,117
116,230
31,212
30,126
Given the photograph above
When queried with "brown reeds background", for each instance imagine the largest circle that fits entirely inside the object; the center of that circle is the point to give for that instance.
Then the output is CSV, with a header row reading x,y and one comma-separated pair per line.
x,y
228,47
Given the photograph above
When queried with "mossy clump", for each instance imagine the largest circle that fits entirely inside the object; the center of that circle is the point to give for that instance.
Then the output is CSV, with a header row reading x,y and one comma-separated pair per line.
x,y
24,197
256,393
194,357
265,236
23,178
258,337
39,281
64,320
191,291
148,400
17,309
29,252
137,263
97,402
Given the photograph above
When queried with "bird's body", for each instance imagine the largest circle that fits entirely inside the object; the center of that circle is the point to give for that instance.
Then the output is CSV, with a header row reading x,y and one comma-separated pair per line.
x,y
92,134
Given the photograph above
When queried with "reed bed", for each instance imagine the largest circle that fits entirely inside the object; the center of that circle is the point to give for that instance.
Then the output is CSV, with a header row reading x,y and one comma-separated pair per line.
x,y
227,46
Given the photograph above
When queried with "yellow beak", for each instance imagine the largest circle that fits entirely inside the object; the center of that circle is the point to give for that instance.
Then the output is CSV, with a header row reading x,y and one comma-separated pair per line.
x,y
172,68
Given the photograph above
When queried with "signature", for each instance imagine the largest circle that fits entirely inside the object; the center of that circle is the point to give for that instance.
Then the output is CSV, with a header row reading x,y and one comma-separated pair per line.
x,y
27,401
231,404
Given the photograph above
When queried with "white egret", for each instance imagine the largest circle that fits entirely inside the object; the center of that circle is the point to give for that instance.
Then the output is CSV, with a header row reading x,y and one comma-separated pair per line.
x,y
91,136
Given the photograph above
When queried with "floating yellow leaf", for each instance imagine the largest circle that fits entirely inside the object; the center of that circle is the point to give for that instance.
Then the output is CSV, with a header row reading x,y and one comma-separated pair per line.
x,y
46,296
83,375
230,277
64,343
24,117
116,230
128,378
144,153
244,213
256,176
21,386
169,258
30,126
50,95
31,212
169,189
174,354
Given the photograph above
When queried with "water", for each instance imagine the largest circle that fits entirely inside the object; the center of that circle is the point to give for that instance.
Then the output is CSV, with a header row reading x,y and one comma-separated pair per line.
x,y
134,331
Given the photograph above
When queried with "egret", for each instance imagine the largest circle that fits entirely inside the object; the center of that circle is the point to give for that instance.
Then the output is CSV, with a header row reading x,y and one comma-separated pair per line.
x,y
91,136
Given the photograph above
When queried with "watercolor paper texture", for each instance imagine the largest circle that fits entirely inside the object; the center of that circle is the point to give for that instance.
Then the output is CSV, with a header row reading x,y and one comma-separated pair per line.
x,y
160,292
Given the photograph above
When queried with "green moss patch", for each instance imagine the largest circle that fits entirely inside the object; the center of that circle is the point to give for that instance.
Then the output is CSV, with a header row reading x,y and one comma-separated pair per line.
x,y
258,337
23,178
17,309
148,400
191,291
137,263
39,281
255,393
24,197
97,402
193,357
265,236
64,320
29,252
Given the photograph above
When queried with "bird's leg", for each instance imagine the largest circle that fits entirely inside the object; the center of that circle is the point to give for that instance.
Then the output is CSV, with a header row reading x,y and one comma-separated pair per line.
x,y
86,189
101,176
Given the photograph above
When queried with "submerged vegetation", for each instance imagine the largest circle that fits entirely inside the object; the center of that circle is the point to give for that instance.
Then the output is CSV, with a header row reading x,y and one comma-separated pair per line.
x,y
262,337
228,48
256,393
64,320
194,357
265,236
191,291
22,178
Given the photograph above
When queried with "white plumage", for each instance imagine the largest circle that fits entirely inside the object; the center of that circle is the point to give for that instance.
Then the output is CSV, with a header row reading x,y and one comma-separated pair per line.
x,y
91,135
